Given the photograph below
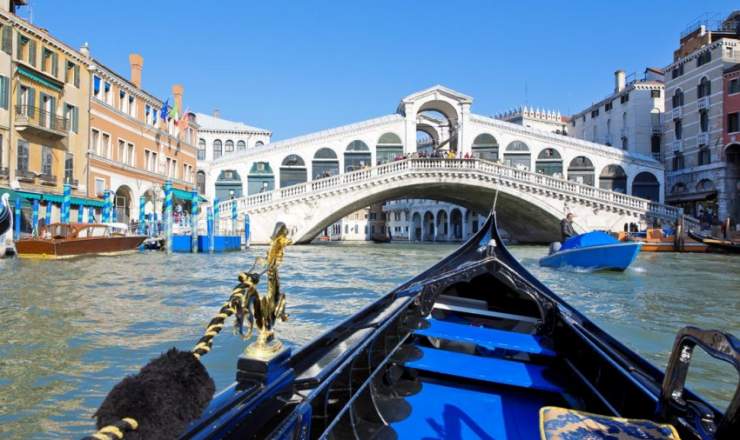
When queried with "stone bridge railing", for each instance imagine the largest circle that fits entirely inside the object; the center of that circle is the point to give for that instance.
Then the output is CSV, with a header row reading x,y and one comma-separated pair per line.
x,y
502,172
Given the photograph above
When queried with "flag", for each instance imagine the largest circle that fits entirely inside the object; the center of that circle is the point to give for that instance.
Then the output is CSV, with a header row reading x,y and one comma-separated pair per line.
x,y
182,124
165,110
174,112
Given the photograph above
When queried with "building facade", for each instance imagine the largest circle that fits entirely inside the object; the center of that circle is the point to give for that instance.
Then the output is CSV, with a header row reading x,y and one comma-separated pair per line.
x,y
430,220
699,177
548,120
731,137
135,146
629,118
44,102
219,138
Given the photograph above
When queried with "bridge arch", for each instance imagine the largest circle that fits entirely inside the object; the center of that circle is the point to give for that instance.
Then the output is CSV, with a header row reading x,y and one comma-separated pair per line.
x,y
613,178
293,171
388,147
646,185
357,156
228,183
485,146
325,163
582,170
517,154
260,178
550,162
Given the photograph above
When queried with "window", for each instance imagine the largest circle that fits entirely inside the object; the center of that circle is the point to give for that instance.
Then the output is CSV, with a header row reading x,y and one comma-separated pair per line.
x,y
4,92
608,106
47,161
202,149
229,146
7,35
131,156
99,187
241,146
625,142
624,98
734,86
655,93
95,142
22,156
217,149
167,164
703,120
677,99
72,115
49,62
105,146
69,161
72,74
704,88
733,122
97,91
678,162
594,113
107,93
678,128
677,71
703,58
655,146
122,102
132,105
705,156
121,150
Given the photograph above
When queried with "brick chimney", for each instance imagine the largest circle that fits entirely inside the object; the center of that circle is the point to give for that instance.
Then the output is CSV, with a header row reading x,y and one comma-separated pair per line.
x,y
137,65
177,91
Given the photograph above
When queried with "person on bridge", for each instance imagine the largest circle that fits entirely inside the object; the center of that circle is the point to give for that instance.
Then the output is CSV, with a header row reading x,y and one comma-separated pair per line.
x,y
566,228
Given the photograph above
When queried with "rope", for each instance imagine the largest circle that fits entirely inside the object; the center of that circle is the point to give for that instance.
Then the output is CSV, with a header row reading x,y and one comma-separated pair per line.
x,y
114,431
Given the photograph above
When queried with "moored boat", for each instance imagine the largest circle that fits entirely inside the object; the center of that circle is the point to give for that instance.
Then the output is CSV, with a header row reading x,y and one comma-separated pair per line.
x,y
716,244
58,240
7,248
474,347
657,240
593,250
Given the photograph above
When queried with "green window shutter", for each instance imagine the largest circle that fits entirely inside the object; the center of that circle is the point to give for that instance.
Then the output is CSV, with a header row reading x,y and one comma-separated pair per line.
x,y
18,99
4,93
32,52
8,40
31,101
77,75
19,47
54,64
75,119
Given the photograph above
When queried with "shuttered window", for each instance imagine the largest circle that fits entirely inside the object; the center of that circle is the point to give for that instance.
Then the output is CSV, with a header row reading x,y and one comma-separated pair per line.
x,y
32,52
4,92
7,36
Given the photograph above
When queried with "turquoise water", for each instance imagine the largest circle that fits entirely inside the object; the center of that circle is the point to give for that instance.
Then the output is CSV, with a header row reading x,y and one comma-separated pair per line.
x,y
72,329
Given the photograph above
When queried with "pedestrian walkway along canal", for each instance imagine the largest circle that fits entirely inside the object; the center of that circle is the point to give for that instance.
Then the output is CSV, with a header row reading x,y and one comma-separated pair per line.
x,y
72,329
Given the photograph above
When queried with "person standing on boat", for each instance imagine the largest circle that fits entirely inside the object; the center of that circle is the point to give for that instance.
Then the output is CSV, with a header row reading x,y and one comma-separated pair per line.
x,y
566,228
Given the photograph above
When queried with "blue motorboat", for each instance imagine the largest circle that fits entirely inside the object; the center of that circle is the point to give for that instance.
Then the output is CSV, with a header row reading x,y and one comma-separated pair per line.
x,y
475,347
595,250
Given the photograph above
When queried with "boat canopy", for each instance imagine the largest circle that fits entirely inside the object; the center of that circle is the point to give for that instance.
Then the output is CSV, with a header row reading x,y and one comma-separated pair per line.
x,y
595,238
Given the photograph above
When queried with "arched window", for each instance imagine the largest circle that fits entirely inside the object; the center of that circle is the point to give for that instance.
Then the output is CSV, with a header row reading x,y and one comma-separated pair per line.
x,y
228,184
485,147
704,88
200,182
218,149
678,188
229,146
677,99
259,144
325,163
581,170
201,149
613,178
549,162
292,171
241,146
260,179
646,186
388,148
356,156
517,155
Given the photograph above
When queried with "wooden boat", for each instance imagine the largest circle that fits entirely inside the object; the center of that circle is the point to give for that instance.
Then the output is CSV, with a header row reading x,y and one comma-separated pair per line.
x,y
58,240
473,347
716,244
381,238
656,240
594,250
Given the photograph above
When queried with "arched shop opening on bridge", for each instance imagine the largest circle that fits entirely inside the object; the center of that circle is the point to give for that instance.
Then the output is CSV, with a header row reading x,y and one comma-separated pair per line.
x,y
442,226
228,185
122,204
549,162
388,148
417,227
581,170
292,171
517,155
456,220
428,228
485,147
440,120
357,156
426,140
646,185
325,163
613,178
260,179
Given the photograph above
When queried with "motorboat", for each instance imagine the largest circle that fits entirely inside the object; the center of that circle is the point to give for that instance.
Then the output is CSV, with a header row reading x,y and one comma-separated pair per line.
x,y
716,244
473,347
61,240
594,250
662,240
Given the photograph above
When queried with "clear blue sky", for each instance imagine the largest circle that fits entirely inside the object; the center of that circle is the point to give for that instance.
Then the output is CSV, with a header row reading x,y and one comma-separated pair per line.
x,y
306,65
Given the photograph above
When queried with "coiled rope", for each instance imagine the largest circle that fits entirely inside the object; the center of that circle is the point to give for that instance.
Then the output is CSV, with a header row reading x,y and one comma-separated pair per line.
x,y
114,431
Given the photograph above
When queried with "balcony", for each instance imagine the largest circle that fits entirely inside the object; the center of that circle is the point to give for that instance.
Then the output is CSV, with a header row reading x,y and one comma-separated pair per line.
x,y
678,145
40,122
702,139
677,112
25,176
48,179
703,103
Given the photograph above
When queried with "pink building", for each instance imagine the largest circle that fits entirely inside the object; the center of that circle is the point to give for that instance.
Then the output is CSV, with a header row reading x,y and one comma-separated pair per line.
x,y
731,135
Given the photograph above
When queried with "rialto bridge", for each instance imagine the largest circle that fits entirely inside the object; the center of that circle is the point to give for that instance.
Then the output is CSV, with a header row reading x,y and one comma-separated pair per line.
x,y
313,180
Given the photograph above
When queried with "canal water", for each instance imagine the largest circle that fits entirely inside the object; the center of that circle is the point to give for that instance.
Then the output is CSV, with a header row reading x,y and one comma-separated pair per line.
x,y
72,329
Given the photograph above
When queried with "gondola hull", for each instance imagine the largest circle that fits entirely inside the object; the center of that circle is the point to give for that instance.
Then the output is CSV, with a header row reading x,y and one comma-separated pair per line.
x,y
716,244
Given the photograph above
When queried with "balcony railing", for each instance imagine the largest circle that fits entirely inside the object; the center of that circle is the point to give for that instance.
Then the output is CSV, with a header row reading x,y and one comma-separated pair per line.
x,y
703,103
677,112
25,175
48,179
702,139
678,145
27,116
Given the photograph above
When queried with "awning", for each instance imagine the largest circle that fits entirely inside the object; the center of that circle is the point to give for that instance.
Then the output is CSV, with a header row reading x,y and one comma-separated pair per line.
x,y
691,197
48,82
87,202
186,195
56,198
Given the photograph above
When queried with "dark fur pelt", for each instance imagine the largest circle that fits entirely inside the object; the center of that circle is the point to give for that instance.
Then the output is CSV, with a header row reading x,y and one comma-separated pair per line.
x,y
164,397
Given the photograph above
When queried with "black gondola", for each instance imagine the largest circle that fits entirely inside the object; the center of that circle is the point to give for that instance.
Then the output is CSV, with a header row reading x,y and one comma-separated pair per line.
x,y
5,215
716,244
474,347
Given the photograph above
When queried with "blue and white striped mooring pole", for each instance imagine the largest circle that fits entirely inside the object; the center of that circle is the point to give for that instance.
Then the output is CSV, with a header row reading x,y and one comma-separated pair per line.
x,y
142,215
66,203
106,206
91,214
80,213
113,213
17,220
233,217
35,218
168,215
49,208
246,230
209,225
216,213
194,221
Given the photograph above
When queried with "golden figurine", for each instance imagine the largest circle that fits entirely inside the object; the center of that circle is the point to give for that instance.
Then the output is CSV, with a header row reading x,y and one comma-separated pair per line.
x,y
263,312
